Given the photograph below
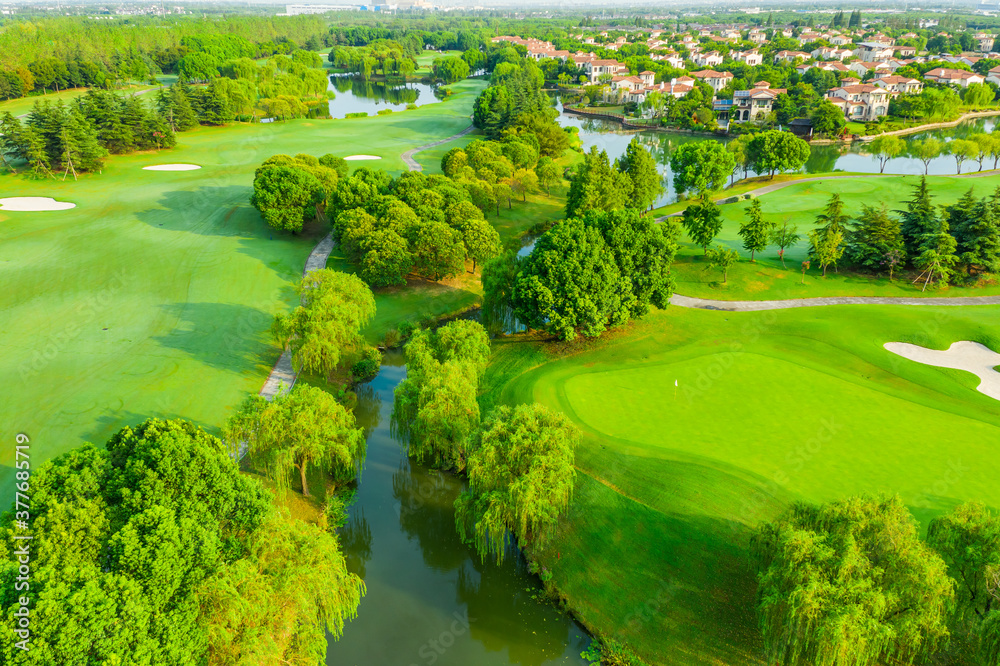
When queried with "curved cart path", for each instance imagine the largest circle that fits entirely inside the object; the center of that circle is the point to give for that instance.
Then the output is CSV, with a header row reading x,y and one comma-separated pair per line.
x,y
754,306
411,163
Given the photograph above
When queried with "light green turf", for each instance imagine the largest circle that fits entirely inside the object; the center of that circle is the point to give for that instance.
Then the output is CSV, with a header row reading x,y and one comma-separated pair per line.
x,y
178,268
799,204
771,407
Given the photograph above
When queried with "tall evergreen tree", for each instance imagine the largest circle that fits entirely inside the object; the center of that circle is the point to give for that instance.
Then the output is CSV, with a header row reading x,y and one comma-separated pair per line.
x,y
919,219
755,230
876,241
977,237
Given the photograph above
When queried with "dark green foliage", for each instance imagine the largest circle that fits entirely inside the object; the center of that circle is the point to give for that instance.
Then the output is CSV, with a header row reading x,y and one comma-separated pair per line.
x,y
918,219
702,220
876,242
587,274
596,186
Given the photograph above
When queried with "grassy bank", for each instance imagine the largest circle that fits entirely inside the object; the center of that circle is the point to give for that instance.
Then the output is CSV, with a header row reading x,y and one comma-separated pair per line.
x,y
153,297
769,408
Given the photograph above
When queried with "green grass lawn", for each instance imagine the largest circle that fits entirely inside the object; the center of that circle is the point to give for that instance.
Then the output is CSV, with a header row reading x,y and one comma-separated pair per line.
x,y
771,407
154,295
799,204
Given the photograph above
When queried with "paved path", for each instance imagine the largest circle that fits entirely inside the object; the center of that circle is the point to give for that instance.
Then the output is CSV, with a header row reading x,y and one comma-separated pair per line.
x,y
283,375
754,306
411,163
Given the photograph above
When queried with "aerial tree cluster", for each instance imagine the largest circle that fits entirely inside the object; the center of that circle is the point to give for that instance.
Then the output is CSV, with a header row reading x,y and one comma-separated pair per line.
x,y
633,182
425,225
290,191
436,406
585,275
156,549
498,172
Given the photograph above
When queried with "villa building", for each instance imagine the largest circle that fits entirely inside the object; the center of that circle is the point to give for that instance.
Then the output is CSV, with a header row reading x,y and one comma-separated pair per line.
x,y
861,102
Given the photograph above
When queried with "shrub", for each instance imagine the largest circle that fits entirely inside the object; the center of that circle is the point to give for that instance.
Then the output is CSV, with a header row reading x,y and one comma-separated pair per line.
x,y
384,112
357,114
406,329
368,366
411,106
392,338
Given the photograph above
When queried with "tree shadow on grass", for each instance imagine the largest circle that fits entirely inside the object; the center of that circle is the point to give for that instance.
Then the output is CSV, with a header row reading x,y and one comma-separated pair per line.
x,y
226,211
113,420
227,336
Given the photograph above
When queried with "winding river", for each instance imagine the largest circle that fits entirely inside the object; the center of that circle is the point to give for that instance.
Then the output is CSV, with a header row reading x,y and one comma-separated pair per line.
x,y
430,600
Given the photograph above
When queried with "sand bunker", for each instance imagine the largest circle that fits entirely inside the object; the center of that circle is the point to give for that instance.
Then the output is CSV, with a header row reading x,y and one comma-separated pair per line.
x,y
24,204
171,167
969,356
362,157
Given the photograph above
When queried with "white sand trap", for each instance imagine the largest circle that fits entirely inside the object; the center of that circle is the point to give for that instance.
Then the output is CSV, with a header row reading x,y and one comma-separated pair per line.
x,y
25,204
972,357
171,167
351,158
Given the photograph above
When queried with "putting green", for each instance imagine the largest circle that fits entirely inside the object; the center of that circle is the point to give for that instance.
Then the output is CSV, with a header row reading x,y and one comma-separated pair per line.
x,y
770,408
153,297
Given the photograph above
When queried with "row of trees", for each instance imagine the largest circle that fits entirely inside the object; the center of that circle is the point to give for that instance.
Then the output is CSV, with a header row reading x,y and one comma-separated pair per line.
x,y
978,147
156,549
851,582
519,461
634,181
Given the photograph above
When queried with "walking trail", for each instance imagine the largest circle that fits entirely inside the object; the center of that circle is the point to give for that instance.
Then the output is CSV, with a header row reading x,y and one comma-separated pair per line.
x,y
411,163
754,306
283,374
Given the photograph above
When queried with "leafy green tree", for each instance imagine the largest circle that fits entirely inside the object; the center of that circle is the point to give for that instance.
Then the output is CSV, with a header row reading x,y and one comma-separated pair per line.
x,y
833,218
918,219
937,257
738,149
548,173
183,556
438,251
926,150
962,150
498,277
968,539
849,582
641,169
701,166
775,151
826,246
450,69
303,428
436,404
723,258
521,476
386,259
885,147
596,186
286,197
986,146
327,324
828,120
978,237
702,220
784,237
876,241
755,230
481,240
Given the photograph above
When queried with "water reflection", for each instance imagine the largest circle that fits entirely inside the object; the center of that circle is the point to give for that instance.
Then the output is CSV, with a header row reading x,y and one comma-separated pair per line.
x,y
609,136
355,95
429,598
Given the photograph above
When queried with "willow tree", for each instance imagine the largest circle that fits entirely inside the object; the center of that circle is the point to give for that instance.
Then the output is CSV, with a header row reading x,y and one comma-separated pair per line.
x,y
850,583
436,406
300,429
521,475
327,324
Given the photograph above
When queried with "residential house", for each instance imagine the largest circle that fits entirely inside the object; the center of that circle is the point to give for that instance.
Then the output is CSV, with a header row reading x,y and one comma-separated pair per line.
x,y
985,42
899,84
861,102
955,77
752,58
789,56
757,36
832,66
905,51
710,59
873,51
841,40
595,69
717,80
993,76
750,105
862,68
831,53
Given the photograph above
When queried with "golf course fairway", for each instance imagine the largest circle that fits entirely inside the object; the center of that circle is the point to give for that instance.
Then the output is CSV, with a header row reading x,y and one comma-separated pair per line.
x,y
155,294
768,408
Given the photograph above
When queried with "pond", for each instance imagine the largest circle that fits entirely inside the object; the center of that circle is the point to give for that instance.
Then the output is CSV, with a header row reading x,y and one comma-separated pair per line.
x,y
355,95
608,135
430,600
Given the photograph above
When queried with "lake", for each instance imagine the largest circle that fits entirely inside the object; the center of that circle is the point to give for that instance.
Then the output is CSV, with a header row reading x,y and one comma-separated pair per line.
x,y
355,95
608,135
430,600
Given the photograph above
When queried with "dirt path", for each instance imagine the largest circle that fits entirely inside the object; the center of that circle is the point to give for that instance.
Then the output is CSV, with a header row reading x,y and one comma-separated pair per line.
x,y
411,163
756,306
